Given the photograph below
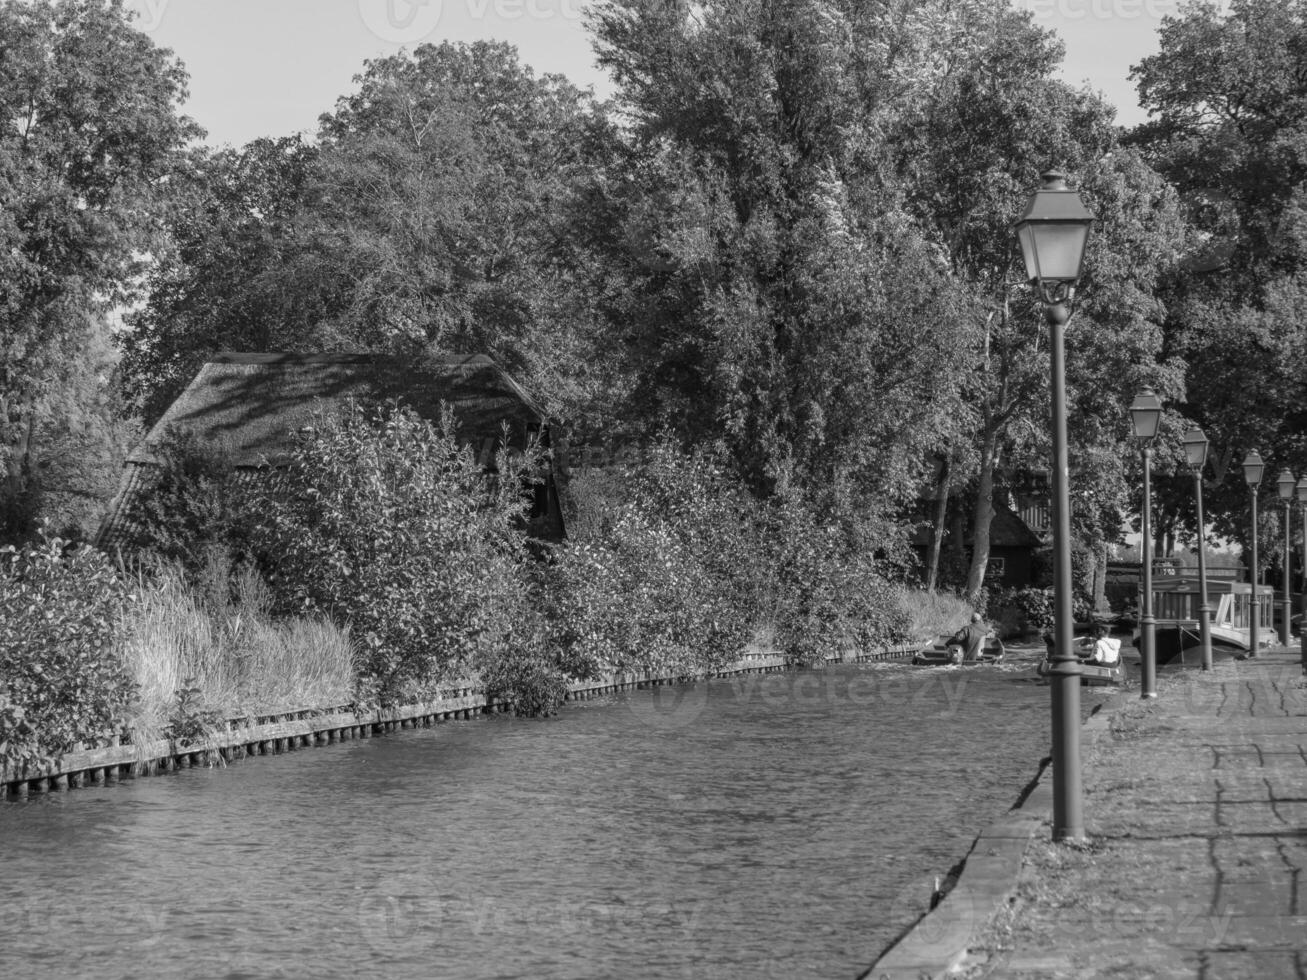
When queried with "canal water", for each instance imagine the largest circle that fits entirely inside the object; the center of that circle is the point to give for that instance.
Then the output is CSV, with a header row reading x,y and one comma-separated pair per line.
x,y
784,825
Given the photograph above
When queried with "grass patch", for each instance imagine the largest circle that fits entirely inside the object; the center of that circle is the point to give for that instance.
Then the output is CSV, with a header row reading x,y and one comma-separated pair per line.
x,y
932,613
240,659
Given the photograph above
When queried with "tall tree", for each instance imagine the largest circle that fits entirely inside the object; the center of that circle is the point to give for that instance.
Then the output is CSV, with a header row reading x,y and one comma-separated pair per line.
x,y
971,150
1227,97
89,130
780,300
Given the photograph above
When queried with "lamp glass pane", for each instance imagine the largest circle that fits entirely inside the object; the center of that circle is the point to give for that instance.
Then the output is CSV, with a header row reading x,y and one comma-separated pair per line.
x,y
1302,490
1285,485
1195,448
1027,239
1145,421
1252,468
1060,247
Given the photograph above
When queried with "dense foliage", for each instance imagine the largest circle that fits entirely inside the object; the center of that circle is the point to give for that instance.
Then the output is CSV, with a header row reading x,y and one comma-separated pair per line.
x,y
386,523
778,265
663,574
61,680
89,133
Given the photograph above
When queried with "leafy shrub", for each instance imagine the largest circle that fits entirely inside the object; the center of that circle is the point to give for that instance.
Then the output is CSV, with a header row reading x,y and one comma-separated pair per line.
x,y
190,506
386,524
1024,610
192,720
828,592
661,573
61,680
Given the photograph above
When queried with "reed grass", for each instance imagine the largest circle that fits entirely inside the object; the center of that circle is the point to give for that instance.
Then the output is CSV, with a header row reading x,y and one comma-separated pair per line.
x,y
242,659
932,613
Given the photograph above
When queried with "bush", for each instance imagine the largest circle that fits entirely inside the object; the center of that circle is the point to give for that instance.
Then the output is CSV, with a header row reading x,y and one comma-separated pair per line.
x,y
662,573
1019,611
189,507
828,593
61,680
387,525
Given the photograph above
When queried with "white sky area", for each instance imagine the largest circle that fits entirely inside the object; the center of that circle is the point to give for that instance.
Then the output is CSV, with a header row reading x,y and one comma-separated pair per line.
x,y
271,67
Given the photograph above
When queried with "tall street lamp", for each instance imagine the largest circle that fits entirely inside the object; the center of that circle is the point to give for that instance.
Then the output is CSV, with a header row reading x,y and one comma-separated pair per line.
x,y
1286,485
1145,416
1195,450
1252,474
1302,627
1053,233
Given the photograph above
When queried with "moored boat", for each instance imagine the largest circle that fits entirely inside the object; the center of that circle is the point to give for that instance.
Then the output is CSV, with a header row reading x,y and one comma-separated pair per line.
x,y
1175,611
938,653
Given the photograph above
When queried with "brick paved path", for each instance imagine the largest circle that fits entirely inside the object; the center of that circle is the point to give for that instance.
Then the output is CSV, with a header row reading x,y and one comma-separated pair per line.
x,y
1196,813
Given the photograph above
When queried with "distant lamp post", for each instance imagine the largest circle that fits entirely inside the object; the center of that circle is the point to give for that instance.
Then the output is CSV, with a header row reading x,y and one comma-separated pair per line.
x,y
1252,474
1302,626
1286,485
1195,450
1053,233
1146,416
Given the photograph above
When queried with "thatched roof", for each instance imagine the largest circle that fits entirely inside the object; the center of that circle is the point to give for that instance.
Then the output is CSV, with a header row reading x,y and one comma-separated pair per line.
x,y
249,408
251,405
1006,530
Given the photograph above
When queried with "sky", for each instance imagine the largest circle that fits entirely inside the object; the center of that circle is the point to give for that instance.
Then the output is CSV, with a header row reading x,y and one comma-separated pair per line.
x,y
271,67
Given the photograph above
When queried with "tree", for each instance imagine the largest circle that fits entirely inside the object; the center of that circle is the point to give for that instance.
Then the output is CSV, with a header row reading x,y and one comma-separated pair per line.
x,y
778,298
1228,101
970,152
221,285
89,131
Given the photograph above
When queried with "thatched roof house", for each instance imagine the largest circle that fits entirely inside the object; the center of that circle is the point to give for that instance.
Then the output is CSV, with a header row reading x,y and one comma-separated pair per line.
x,y
250,406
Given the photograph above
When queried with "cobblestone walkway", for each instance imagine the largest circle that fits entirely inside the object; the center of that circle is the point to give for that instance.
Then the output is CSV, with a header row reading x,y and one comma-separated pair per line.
x,y
1196,813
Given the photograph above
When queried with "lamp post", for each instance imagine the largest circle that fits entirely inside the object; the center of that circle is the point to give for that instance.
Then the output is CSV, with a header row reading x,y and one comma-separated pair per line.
x,y
1195,450
1052,233
1145,416
1252,474
1302,628
1286,484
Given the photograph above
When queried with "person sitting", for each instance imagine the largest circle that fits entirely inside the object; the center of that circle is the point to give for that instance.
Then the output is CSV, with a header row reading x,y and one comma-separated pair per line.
x,y
971,639
1106,649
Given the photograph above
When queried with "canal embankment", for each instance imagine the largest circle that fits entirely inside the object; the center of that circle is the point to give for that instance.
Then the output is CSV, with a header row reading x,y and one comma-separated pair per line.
x,y
286,731
1194,860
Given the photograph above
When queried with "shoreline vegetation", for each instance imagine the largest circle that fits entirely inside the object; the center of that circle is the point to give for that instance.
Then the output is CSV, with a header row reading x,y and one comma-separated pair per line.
x,y
382,564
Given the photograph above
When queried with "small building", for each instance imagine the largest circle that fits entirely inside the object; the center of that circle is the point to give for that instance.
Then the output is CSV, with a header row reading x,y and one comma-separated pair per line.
x,y
250,407
1012,547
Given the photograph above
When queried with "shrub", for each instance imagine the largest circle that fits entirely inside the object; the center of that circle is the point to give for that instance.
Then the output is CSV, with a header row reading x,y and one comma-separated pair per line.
x,y
61,680
1018,611
190,506
828,592
662,572
387,525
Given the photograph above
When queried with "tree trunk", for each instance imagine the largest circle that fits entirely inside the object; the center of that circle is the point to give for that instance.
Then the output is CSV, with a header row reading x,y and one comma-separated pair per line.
x,y
984,513
18,470
937,532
